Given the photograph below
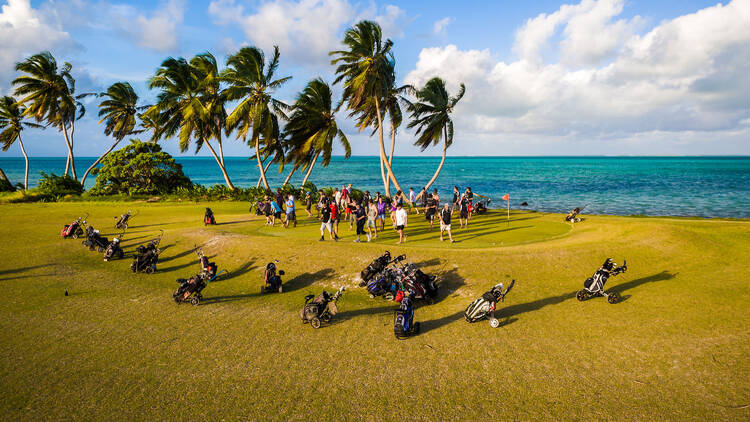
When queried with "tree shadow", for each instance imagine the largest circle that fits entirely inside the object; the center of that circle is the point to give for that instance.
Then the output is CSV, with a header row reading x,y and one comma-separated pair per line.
x,y
307,279
242,270
24,269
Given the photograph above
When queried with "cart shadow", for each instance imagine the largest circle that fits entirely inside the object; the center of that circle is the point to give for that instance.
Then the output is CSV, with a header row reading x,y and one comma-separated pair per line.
x,y
347,315
242,270
229,298
434,324
179,255
448,282
621,288
307,279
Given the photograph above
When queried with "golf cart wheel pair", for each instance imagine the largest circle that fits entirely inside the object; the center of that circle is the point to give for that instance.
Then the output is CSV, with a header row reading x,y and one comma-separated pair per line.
x,y
195,300
582,295
613,297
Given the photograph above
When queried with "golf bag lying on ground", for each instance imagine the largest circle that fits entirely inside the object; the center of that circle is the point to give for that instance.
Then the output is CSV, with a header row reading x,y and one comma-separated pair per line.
x,y
594,285
481,206
114,250
208,217
403,324
190,289
484,306
122,222
74,229
572,216
271,281
407,277
94,240
147,256
321,308
375,267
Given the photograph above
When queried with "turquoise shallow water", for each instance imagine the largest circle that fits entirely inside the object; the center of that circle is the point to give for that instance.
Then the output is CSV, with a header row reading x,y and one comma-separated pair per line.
x,y
680,186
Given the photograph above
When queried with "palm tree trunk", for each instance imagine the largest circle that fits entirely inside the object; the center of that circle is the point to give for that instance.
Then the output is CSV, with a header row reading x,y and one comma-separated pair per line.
x,y
85,175
286,181
440,167
4,177
25,157
382,150
265,170
72,148
309,170
393,147
221,166
71,163
260,163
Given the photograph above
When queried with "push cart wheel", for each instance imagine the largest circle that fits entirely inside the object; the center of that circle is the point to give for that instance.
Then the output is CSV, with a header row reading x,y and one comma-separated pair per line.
x,y
581,295
149,270
315,322
389,296
195,300
326,318
100,249
494,322
75,235
613,297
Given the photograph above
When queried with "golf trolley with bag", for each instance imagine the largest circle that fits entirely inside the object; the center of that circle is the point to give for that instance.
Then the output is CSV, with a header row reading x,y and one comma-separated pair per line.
x,y
484,306
113,249
403,323
74,229
594,285
320,309
147,256
191,289
122,222
272,280
94,240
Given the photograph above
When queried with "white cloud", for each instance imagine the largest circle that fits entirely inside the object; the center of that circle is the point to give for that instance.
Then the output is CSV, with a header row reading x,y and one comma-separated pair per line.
x,y
158,32
25,31
392,21
685,76
438,28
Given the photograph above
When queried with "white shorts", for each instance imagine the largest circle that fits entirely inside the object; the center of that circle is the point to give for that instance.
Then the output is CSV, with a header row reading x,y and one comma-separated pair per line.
x,y
326,226
445,227
371,223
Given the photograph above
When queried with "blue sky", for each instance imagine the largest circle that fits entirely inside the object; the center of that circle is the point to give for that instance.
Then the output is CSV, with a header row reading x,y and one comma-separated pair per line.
x,y
543,78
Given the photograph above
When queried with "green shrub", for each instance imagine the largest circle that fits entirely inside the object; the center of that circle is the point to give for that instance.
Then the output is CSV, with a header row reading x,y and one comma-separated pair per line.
x,y
56,186
140,168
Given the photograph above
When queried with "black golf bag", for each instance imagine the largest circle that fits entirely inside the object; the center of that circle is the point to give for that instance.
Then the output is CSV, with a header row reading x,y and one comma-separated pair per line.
x,y
481,206
594,285
375,267
271,280
94,240
573,215
320,309
113,249
208,217
190,289
122,221
146,257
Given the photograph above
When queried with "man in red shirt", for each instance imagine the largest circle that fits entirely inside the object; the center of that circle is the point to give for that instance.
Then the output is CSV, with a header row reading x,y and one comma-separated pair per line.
x,y
335,217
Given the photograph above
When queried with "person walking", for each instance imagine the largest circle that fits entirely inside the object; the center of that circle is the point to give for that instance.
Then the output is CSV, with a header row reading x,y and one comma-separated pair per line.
x,y
430,210
325,223
279,197
381,212
456,197
360,216
335,216
463,214
413,200
308,204
276,212
402,222
372,215
470,197
445,222
290,215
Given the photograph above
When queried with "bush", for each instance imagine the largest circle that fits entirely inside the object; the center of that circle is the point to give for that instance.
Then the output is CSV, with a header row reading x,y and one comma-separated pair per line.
x,y
139,169
56,186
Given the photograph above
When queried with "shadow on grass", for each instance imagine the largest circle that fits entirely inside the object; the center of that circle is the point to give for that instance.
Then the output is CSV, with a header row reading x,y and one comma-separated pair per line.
x,y
230,298
24,269
620,288
347,315
307,279
448,282
242,270
140,226
433,324
233,222
179,255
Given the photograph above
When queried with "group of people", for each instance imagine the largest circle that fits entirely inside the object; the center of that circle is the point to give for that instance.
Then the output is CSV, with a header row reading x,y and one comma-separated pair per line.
x,y
271,207
366,213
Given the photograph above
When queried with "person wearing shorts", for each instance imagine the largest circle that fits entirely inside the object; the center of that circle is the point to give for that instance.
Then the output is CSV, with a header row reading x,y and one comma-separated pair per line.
x,y
402,222
470,197
267,210
430,210
325,223
308,203
276,213
290,215
445,222
463,216
335,215
361,216
372,215
381,212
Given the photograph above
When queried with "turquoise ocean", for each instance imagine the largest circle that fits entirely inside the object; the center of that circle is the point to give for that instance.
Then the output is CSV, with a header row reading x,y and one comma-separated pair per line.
x,y
665,186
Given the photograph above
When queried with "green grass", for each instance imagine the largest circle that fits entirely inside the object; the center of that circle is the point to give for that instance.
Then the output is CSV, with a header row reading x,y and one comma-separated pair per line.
x,y
118,348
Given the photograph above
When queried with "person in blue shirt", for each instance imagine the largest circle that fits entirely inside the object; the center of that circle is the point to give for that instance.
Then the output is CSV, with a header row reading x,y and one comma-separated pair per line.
x,y
276,212
290,215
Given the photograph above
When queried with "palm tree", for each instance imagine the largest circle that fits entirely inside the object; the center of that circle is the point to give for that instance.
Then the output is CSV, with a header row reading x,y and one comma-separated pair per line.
x,y
251,82
367,69
312,125
48,93
190,105
118,112
431,116
11,125
273,150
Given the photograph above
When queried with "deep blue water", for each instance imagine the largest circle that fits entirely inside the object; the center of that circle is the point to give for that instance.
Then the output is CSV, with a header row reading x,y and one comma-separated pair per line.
x,y
681,186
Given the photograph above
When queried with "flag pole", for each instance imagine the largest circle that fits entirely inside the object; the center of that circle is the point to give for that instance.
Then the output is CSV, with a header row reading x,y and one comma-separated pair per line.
x,y
508,210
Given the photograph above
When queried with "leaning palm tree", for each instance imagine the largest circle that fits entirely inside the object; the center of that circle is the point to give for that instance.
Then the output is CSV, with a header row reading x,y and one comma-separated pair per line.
x,y
430,114
367,70
273,150
312,125
251,82
118,112
11,125
190,105
48,93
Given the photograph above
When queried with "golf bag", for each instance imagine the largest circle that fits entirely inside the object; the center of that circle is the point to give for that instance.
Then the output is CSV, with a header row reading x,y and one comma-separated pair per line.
x,y
484,306
594,285
320,309
572,216
423,285
271,281
208,217
94,240
146,256
113,249
481,206
74,229
375,267
122,222
403,324
190,289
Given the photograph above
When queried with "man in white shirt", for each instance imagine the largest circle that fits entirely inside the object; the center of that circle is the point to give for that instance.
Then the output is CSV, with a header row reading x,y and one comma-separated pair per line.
x,y
402,221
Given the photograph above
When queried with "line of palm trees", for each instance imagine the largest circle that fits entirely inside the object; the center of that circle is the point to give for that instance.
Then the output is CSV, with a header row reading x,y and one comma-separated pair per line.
x,y
193,97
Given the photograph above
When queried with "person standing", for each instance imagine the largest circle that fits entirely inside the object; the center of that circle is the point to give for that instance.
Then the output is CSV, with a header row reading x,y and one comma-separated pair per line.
x,y
366,198
335,215
430,210
456,197
402,222
360,216
372,215
470,197
381,212
445,222
322,202
290,215
413,199
463,216
325,223
279,197
276,212
436,197
267,210
308,204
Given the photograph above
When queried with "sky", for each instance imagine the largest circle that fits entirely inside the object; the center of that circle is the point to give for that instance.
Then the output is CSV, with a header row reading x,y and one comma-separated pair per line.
x,y
606,77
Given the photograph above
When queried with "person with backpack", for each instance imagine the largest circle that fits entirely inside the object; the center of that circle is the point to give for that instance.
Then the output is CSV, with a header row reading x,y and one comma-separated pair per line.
x,y
290,215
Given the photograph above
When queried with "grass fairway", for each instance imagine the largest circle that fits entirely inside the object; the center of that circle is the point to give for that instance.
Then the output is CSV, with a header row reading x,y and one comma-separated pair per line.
x,y
118,348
